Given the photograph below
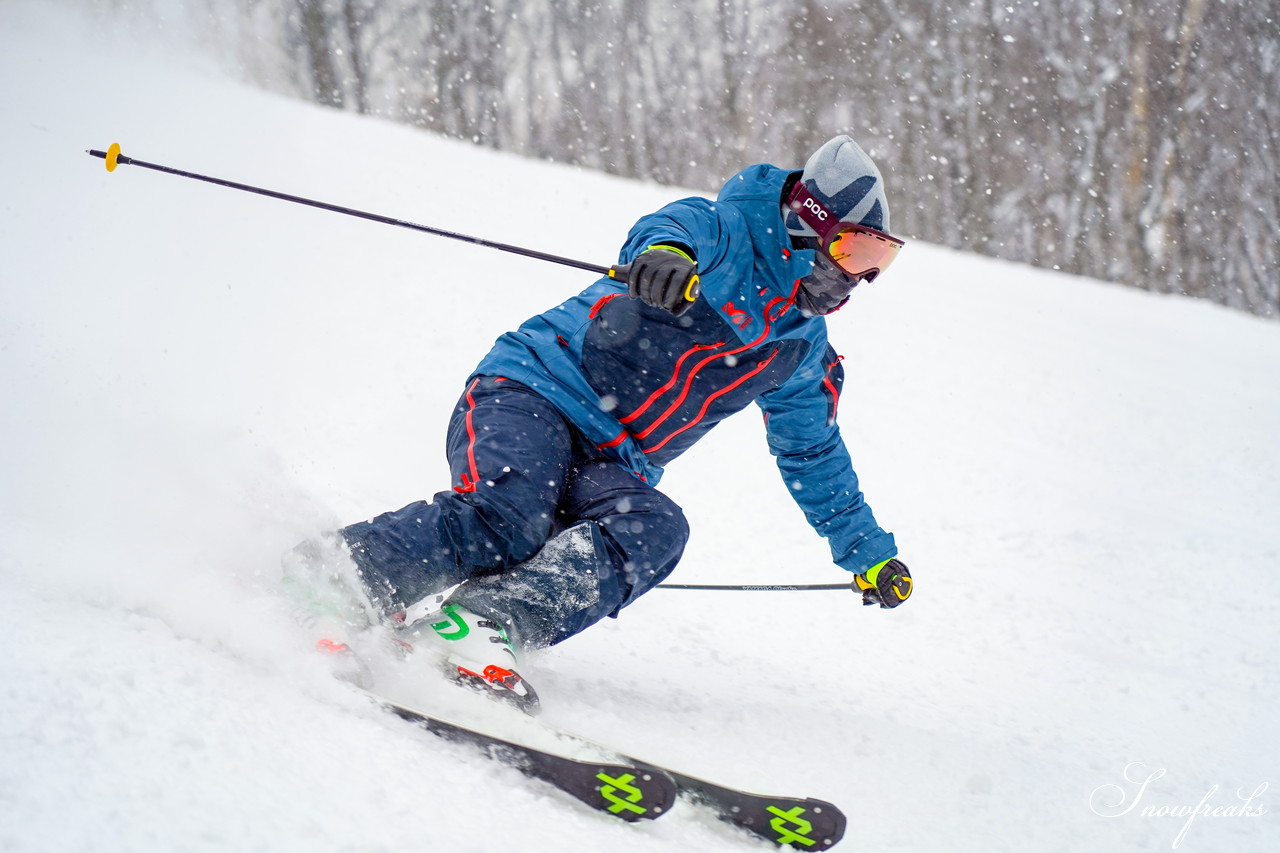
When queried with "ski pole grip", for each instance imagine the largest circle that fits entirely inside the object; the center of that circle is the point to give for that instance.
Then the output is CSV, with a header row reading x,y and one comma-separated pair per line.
x,y
621,273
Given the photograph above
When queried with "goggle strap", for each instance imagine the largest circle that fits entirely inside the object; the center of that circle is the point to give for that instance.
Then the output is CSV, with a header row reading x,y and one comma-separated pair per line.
x,y
812,212
822,220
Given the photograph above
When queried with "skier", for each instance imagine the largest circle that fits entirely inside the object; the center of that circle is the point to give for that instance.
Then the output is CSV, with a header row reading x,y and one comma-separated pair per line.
x,y
558,441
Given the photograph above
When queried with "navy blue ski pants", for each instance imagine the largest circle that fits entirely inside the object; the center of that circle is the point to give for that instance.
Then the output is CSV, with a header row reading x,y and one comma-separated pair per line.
x,y
546,529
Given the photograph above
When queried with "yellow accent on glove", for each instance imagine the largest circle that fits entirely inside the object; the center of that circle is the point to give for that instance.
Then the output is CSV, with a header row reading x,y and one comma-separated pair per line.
x,y
871,575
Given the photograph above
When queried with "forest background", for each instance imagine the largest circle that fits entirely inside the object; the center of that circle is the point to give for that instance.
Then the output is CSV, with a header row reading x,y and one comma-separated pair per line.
x,y
1134,141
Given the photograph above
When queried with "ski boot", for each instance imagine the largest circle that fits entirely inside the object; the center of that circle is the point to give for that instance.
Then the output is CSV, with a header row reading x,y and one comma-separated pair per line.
x,y
478,653
323,581
333,602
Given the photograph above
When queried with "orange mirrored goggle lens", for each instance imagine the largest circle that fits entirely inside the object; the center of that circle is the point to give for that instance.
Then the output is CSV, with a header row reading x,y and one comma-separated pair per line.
x,y
862,251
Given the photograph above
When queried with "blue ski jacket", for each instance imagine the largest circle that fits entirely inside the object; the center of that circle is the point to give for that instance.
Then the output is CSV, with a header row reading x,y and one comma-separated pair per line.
x,y
644,385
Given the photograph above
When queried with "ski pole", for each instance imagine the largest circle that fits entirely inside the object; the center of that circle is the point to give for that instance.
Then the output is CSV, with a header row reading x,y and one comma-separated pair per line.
x,y
762,587
618,272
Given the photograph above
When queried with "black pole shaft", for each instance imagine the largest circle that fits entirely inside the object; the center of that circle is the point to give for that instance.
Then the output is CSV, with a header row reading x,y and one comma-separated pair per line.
x,y
372,217
760,587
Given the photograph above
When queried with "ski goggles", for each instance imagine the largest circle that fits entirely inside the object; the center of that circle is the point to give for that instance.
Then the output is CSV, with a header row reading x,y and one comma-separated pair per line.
x,y
856,249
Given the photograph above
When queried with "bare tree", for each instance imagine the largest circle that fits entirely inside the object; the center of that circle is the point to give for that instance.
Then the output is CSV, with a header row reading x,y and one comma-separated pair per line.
x,y
315,32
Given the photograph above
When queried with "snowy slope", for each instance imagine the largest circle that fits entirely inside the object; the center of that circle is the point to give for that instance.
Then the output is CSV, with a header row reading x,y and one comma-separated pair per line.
x,y
1084,479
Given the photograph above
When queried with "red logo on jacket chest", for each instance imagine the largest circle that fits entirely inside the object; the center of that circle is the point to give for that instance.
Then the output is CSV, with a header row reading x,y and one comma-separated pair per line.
x,y
737,316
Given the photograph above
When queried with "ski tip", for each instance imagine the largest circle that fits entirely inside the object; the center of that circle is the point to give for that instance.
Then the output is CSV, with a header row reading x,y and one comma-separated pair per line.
x,y
826,824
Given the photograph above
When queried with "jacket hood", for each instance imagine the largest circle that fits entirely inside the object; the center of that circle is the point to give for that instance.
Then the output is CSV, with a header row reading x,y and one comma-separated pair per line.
x,y
757,191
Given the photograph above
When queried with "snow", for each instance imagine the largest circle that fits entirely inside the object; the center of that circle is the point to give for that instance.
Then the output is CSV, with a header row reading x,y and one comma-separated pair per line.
x,y
1084,479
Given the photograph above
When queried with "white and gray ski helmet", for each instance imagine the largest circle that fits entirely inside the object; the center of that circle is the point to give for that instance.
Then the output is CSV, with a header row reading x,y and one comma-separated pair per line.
x,y
846,180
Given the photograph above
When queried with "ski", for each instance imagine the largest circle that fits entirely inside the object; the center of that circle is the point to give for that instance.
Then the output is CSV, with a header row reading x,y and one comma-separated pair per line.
x,y
804,823
633,789
625,790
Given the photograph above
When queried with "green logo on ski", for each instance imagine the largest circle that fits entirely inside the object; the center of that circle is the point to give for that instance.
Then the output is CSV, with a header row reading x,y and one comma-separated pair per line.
x,y
796,832
461,629
621,785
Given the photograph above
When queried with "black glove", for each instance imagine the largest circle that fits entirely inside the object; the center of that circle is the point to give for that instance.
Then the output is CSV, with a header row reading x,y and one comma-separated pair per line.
x,y
664,277
887,584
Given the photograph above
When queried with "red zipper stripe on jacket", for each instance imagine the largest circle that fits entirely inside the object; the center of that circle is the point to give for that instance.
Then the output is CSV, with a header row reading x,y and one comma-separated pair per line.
x,y
688,382
614,442
831,386
675,377
469,483
702,413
